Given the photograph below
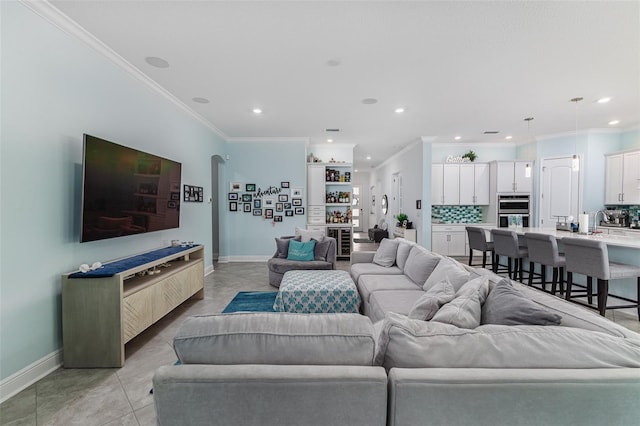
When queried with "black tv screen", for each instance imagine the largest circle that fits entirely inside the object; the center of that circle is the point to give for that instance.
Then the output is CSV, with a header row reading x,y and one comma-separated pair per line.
x,y
126,191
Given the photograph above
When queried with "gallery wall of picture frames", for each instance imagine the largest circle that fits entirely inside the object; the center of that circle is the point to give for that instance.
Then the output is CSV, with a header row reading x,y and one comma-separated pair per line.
x,y
192,193
272,203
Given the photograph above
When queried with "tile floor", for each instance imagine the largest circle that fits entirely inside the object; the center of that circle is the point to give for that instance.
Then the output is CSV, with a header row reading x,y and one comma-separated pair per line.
x,y
121,396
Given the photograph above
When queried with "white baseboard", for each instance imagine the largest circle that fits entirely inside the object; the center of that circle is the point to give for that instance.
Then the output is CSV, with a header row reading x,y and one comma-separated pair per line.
x,y
24,378
227,259
208,270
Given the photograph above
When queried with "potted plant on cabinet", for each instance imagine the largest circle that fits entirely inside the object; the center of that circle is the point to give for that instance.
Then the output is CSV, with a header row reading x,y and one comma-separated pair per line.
x,y
402,219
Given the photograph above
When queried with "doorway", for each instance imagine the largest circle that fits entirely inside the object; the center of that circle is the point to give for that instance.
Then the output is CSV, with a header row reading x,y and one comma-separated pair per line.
x,y
217,176
356,209
559,191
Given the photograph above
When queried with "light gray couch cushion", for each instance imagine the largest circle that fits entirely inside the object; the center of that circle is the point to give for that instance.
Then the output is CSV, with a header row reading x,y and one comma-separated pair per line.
x,y
420,264
447,268
413,344
284,265
404,248
386,253
359,269
276,338
506,305
306,235
431,301
465,311
398,301
369,284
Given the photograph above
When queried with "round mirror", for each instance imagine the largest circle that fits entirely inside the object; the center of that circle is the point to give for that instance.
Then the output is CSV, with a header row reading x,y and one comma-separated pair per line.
x,y
385,205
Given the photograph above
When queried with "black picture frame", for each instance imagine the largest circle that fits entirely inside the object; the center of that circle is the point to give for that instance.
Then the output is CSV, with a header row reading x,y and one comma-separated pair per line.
x,y
277,218
192,193
250,187
299,210
268,213
232,196
284,184
233,206
246,198
257,203
257,212
283,198
172,205
246,207
174,196
279,207
418,204
287,206
296,202
288,213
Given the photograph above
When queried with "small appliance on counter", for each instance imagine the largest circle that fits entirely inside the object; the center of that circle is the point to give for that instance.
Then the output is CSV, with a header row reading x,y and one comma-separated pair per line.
x,y
615,218
564,223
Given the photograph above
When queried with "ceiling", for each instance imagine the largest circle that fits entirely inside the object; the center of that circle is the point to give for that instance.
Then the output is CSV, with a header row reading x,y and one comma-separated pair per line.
x,y
457,68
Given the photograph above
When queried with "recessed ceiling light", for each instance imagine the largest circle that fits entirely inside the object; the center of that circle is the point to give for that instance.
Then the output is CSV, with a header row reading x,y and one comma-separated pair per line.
x,y
333,62
154,61
614,122
603,100
329,140
369,101
201,100
368,157
257,111
399,110
458,138
508,137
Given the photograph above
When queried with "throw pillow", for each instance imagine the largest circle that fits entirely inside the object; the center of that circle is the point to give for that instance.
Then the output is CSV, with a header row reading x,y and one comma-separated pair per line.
x,y
506,305
465,311
447,269
282,247
321,250
306,234
431,301
301,251
420,264
386,253
404,248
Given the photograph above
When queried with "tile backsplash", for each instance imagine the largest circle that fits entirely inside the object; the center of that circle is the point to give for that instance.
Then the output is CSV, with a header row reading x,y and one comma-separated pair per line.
x,y
634,211
456,214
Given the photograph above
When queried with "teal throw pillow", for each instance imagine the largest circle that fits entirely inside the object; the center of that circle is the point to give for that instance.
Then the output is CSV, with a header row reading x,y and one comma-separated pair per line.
x,y
301,251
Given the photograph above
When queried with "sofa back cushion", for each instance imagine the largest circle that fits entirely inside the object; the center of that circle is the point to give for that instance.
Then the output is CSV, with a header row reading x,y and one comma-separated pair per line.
x,y
276,338
306,235
321,249
404,247
420,264
411,343
449,269
386,253
506,305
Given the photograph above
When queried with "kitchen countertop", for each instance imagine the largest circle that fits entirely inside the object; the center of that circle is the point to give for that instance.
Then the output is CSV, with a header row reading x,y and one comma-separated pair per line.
x,y
610,240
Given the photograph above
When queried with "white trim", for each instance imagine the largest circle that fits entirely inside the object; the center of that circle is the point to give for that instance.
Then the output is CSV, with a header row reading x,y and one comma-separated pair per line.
x,y
268,139
24,378
227,259
52,14
402,151
475,145
208,270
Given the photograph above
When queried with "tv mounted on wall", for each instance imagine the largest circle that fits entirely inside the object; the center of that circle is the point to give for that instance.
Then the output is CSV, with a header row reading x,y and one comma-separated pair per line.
x,y
126,191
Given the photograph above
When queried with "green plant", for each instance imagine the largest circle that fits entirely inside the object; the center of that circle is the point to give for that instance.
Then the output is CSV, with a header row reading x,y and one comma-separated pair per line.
x,y
401,217
470,155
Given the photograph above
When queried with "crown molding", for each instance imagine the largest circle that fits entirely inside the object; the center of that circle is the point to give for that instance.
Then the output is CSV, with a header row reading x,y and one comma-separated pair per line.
x,y
402,151
302,139
53,15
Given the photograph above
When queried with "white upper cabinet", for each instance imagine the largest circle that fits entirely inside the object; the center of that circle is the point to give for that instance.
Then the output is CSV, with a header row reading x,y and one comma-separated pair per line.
x,y
316,185
622,178
474,184
511,176
445,184
437,184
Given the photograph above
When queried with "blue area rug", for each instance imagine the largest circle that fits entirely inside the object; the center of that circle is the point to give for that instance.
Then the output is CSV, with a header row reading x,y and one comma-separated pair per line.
x,y
251,301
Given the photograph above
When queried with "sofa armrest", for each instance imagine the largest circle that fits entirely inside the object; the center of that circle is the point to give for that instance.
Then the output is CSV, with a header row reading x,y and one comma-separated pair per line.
x,y
362,257
270,395
513,396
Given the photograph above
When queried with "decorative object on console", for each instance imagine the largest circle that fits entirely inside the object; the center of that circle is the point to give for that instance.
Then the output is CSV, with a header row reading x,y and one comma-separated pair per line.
x,y
470,155
402,219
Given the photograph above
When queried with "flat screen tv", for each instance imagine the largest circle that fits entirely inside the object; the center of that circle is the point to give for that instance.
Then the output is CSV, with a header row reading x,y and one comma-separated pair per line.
x,y
126,191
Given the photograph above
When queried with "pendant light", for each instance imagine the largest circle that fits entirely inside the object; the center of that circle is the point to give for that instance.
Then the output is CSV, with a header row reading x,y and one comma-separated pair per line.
x,y
527,168
575,160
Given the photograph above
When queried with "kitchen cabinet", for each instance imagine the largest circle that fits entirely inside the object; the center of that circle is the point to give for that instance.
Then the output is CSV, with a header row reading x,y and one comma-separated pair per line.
x,y
511,176
622,178
449,240
445,184
474,184
329,193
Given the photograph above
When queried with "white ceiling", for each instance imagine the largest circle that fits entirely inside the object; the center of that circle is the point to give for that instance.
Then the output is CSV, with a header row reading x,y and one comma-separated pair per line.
x,y
458,68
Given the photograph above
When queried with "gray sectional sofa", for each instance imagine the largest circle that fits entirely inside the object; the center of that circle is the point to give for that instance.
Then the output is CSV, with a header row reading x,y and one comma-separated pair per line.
x,y
389,367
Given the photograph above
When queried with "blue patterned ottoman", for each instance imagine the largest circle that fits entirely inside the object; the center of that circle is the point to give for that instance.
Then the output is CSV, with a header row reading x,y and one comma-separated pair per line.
x,y
309,292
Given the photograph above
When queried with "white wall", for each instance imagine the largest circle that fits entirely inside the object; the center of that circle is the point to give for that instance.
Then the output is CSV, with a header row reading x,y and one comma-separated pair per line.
x,y
54,89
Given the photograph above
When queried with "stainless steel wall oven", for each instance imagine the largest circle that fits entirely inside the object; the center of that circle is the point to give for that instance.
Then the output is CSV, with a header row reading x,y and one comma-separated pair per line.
x,y
513,205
